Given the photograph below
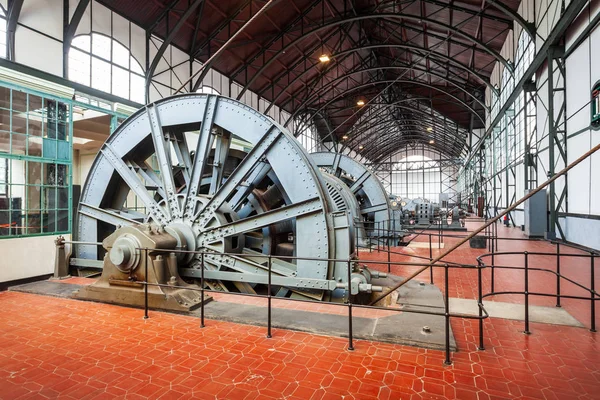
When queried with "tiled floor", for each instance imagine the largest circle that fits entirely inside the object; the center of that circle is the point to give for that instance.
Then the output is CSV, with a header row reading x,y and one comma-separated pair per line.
x,y
58,348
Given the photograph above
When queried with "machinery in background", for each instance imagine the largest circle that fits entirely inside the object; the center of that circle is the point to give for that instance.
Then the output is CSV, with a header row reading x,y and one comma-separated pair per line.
x,y
420,213
167,180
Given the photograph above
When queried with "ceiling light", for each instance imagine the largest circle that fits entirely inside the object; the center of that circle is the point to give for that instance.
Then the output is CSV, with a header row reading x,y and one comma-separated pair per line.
x,y
324,58
429,129
360,103
431,141
345,137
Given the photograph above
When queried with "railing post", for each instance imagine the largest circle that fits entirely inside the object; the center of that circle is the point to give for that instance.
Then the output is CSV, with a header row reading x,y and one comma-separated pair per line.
x,y
350,341
202,290
526,293
480,303
269,300
447,315
430,260
440,236
389,251
493,274
593,294
356,228
146,283
558,275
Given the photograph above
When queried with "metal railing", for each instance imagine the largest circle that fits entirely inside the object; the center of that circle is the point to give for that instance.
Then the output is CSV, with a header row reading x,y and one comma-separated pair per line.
x,y
526,268
446,266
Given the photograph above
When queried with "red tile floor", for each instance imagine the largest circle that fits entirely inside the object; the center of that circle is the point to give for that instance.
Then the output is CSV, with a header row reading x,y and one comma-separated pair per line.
x,y
59,348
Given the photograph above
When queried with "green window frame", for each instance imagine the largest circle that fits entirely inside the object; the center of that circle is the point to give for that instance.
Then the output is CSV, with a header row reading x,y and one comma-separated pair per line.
x,y
36,150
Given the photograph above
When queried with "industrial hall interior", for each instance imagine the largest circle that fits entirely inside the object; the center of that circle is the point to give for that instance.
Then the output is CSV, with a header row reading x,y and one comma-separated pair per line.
x,y
300,199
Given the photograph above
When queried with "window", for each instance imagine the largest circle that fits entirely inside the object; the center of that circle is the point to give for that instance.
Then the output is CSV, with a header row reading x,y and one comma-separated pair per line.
x,y
307,136
207,90
35,162
103,63
418,176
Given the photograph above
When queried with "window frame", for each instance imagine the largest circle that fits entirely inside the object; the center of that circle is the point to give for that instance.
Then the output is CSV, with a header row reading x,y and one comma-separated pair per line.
x,y
112,65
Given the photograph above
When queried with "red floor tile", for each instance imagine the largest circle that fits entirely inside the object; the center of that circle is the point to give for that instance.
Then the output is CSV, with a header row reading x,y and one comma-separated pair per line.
x,y
80,350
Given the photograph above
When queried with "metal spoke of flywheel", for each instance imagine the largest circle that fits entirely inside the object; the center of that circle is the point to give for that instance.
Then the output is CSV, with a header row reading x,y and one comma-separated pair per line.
x,y
202,150
265,219
104,215
256,176
222,143
237,177
183,154
163,156
132,180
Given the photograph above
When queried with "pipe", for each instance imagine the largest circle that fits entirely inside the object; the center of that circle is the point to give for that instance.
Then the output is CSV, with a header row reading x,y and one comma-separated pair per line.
x,y
490,222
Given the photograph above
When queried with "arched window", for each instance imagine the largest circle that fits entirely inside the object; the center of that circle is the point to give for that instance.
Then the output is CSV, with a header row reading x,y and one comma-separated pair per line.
x,y
103,63
208,90
3,34
524,54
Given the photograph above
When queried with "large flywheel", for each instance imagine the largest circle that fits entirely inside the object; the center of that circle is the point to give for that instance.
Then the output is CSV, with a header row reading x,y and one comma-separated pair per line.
x,y
173,165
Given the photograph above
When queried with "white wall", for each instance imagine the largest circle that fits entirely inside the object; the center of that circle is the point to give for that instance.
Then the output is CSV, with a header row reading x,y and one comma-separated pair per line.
x,y
27,257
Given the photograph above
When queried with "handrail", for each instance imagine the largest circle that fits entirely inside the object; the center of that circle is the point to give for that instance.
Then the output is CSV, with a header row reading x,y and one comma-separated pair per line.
x,y
594,296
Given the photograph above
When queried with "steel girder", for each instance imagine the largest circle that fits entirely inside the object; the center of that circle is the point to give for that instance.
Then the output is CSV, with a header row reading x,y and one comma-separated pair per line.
x,y
557,138
413,49
390,81
391,143
12,18
429,120
416,123
167,41
390,16
392,67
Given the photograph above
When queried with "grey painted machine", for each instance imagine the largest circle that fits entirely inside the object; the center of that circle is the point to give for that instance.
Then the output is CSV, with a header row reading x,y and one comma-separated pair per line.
x,y
376,214
272,203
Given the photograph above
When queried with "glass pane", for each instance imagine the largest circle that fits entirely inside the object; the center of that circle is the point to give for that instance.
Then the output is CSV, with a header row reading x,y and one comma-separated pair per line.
x,y
63,197
138,89
4,142
4,97
49,193
79,67
34,173
49,174
120,82
35,124
100,75
18,144
34,222
35,104
34,198
5,224
19,101
101,46
82,42
120,55
62,172
19,122
34,146
136,67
